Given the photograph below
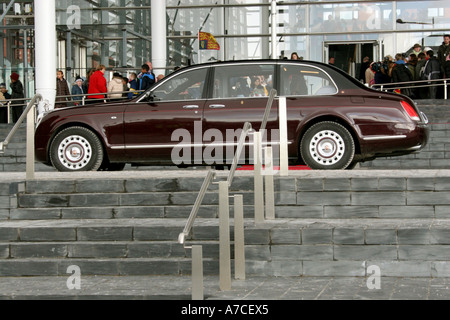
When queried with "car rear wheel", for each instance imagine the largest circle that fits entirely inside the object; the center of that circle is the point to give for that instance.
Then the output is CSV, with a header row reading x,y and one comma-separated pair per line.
x,y
76,149
327,145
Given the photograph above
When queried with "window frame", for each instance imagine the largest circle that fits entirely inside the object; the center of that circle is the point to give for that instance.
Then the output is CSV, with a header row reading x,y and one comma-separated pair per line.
x,y
299,64
204,94
236,65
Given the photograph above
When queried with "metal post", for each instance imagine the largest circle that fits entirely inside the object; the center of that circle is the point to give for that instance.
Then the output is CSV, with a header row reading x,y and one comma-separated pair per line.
x,y
239,240
274,28
445,89
30,144
69,58
197,272
9,111
258,178
124,47
284,161
224,237
269,187
25,63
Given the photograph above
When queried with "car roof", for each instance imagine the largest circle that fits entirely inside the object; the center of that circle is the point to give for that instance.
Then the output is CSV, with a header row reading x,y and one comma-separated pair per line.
x,y
341,78
265,61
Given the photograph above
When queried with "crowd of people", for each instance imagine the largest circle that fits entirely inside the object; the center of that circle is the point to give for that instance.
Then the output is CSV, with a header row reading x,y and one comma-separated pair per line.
x,y
96,88
421,65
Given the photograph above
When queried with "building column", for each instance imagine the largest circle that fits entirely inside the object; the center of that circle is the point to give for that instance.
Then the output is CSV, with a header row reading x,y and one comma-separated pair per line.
x,y
159,36
45,52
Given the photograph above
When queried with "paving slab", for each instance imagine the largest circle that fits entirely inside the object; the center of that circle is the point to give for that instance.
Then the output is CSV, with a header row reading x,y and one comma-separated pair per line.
x,y
251,289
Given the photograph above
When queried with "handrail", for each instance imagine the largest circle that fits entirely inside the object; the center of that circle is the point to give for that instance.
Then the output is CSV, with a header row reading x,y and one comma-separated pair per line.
x,y
24,114
408,82
246,129
187,229
414,85
272,95
84,96
211,174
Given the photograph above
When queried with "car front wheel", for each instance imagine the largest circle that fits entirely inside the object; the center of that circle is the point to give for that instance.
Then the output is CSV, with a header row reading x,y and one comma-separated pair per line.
x,y
327,145
76,149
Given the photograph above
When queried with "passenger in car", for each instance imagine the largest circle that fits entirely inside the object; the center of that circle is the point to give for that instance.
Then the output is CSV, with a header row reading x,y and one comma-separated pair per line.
x,y
257,89
242,89
298,85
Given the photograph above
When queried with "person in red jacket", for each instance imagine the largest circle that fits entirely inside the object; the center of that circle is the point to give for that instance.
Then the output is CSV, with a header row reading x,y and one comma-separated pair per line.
x,y
97,84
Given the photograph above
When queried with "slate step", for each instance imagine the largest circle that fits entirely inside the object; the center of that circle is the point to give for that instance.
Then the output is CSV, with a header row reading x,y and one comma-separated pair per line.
x,y
103,249
318,211
360,231
289,247
117,267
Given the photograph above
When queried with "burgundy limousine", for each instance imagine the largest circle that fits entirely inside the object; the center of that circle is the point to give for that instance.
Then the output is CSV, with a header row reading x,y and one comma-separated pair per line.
x,y
194,116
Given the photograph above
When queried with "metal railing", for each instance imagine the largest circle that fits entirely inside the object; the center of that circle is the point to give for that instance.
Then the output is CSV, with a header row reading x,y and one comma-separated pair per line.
x,y
85,97
30,114
414,85
224,219
10,103
247,128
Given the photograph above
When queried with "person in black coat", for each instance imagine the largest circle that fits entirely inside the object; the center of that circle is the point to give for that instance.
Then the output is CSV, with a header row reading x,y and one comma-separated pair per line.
x,y
3,109
432,72
16,93
62,91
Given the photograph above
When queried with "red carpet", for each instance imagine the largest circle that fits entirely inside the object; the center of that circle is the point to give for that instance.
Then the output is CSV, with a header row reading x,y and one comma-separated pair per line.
x,y
250,167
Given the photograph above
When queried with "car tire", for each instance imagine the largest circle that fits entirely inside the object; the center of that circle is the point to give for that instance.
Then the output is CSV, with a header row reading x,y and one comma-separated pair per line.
x,y
327,145
76,149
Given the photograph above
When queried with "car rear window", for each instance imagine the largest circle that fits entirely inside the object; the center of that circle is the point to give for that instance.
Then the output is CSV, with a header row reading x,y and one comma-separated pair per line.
x,y
302,80
252,80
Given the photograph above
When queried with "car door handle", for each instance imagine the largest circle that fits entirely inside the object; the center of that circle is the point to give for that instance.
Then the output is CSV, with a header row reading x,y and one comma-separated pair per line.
x,y
217,106
191,106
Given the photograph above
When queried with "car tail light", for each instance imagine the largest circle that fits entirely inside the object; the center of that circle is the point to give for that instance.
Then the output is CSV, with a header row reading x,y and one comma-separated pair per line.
x,y
410,111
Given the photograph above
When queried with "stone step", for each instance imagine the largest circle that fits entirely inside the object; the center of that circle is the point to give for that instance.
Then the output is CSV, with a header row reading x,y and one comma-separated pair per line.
x,y
318,195
327,211
287,247
103,249
118,267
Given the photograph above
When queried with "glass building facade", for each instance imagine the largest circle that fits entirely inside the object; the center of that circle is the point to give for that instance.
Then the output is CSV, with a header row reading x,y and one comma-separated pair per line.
x,y
117,33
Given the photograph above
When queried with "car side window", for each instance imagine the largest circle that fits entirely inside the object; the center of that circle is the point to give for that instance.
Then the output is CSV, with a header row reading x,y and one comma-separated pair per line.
x,y
185,86
252,80
300,80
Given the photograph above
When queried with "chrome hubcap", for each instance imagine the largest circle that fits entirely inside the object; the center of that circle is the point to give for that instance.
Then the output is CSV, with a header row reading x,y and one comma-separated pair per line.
x,y
74,152
327,147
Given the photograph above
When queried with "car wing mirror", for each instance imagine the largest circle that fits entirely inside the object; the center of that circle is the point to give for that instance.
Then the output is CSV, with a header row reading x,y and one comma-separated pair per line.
x,y
149,96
